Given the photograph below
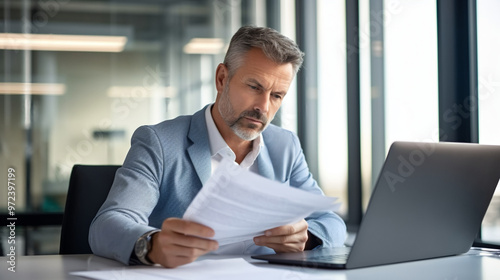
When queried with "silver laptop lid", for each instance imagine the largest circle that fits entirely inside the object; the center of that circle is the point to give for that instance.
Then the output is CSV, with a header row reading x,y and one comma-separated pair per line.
x,y
429,201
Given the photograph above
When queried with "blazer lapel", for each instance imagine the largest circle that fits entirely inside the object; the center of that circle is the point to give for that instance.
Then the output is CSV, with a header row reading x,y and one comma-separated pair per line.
x,y
265,164
199,151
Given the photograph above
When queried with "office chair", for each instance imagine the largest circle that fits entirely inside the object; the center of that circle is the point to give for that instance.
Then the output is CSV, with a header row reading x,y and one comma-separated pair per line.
x,y
89,186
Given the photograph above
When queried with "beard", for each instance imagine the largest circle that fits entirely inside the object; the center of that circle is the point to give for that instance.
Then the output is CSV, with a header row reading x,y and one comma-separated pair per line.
x,y
246,132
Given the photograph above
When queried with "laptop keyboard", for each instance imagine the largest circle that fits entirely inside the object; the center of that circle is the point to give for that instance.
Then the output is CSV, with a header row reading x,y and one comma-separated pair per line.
x,y
330,258
333,255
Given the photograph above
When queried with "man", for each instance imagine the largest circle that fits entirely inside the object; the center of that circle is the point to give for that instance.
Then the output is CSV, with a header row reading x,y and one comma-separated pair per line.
x,y
168,163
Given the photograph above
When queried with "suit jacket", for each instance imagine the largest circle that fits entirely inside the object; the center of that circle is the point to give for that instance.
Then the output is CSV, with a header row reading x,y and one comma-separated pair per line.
x,y
165,168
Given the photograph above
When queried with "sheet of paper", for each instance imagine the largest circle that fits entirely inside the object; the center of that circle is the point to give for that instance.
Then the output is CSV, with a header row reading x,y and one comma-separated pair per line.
x,y
222,269
239,204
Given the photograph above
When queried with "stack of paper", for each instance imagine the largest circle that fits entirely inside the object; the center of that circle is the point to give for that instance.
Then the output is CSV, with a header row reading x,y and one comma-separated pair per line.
x,y
225,269
239,205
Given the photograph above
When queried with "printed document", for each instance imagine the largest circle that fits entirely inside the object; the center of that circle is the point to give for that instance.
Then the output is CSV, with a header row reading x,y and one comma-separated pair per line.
x,y
239,205
222,269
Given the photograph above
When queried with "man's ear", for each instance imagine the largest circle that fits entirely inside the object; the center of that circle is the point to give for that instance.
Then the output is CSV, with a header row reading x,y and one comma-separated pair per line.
x,y
221,77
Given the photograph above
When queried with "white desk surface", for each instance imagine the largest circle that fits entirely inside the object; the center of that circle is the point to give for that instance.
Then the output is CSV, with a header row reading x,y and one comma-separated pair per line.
x,y
467,267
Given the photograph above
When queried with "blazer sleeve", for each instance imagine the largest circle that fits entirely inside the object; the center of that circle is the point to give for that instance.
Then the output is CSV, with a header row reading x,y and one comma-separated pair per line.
x,y
326,225
123,217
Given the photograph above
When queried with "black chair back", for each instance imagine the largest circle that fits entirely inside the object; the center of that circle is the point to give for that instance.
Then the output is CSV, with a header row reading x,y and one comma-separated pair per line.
x,y
89,186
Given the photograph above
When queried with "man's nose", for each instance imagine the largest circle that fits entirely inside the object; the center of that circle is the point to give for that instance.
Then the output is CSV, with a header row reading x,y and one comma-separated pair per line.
x,y
262,103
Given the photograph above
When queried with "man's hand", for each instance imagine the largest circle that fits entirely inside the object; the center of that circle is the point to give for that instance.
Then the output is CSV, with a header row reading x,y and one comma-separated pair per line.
x,y
180,242
288,238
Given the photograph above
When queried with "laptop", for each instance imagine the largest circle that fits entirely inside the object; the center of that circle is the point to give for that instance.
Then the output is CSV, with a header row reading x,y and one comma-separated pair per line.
x,y
428,202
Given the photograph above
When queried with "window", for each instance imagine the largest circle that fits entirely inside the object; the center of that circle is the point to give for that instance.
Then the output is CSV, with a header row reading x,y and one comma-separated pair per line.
x,y
398,83
489,99
332,110
63,106
399,92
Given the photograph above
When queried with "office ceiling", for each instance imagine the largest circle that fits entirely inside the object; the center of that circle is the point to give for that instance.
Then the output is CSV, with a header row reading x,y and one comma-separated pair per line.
x,y
144,22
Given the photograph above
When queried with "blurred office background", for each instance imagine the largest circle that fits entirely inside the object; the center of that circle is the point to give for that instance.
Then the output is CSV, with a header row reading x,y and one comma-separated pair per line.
x,y
77,77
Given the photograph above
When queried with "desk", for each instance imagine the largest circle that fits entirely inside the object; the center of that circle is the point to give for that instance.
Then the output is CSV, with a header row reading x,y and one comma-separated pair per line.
x,y
467,267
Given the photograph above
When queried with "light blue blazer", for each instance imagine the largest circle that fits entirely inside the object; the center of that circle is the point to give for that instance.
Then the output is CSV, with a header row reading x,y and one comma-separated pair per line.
x,y
165,168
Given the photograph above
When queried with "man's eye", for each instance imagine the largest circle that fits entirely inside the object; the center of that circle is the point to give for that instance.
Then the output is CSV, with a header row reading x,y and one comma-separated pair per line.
x,y
253,87
277,96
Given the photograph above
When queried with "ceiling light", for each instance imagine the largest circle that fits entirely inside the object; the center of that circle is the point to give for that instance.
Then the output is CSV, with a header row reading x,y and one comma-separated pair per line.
x,y
51,42
141,92
32,88
204,46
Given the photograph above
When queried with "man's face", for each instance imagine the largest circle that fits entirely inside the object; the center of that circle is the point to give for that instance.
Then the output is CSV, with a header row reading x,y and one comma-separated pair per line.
x,y
249,101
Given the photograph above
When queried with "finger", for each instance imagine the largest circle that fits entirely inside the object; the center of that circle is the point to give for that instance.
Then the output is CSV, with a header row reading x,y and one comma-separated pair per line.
x,y
285,247
187,227
167,237
287,229
263,240
174,260
185,252
168,253
191,241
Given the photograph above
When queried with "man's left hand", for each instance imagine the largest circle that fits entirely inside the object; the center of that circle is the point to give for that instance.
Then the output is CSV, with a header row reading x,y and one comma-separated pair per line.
x,y
288,238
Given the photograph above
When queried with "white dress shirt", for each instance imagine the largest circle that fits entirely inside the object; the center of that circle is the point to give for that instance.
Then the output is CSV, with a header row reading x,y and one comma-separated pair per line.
x,y
219,149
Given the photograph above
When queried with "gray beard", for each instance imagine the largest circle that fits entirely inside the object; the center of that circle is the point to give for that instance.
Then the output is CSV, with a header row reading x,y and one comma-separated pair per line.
x,y
226,111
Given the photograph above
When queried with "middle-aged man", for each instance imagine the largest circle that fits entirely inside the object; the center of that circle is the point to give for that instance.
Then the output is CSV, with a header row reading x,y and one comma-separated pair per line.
x,y
167,164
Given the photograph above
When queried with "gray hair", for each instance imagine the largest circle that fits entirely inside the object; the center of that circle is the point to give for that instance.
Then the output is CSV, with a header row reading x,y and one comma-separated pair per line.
x,y
275,46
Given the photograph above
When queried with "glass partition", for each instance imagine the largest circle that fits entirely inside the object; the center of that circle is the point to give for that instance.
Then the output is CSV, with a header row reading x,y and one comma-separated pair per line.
x,y
399,90
488,41
78,77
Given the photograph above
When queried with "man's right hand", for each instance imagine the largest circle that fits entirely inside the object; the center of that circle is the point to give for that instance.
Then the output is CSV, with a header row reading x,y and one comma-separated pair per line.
x,y
180,242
